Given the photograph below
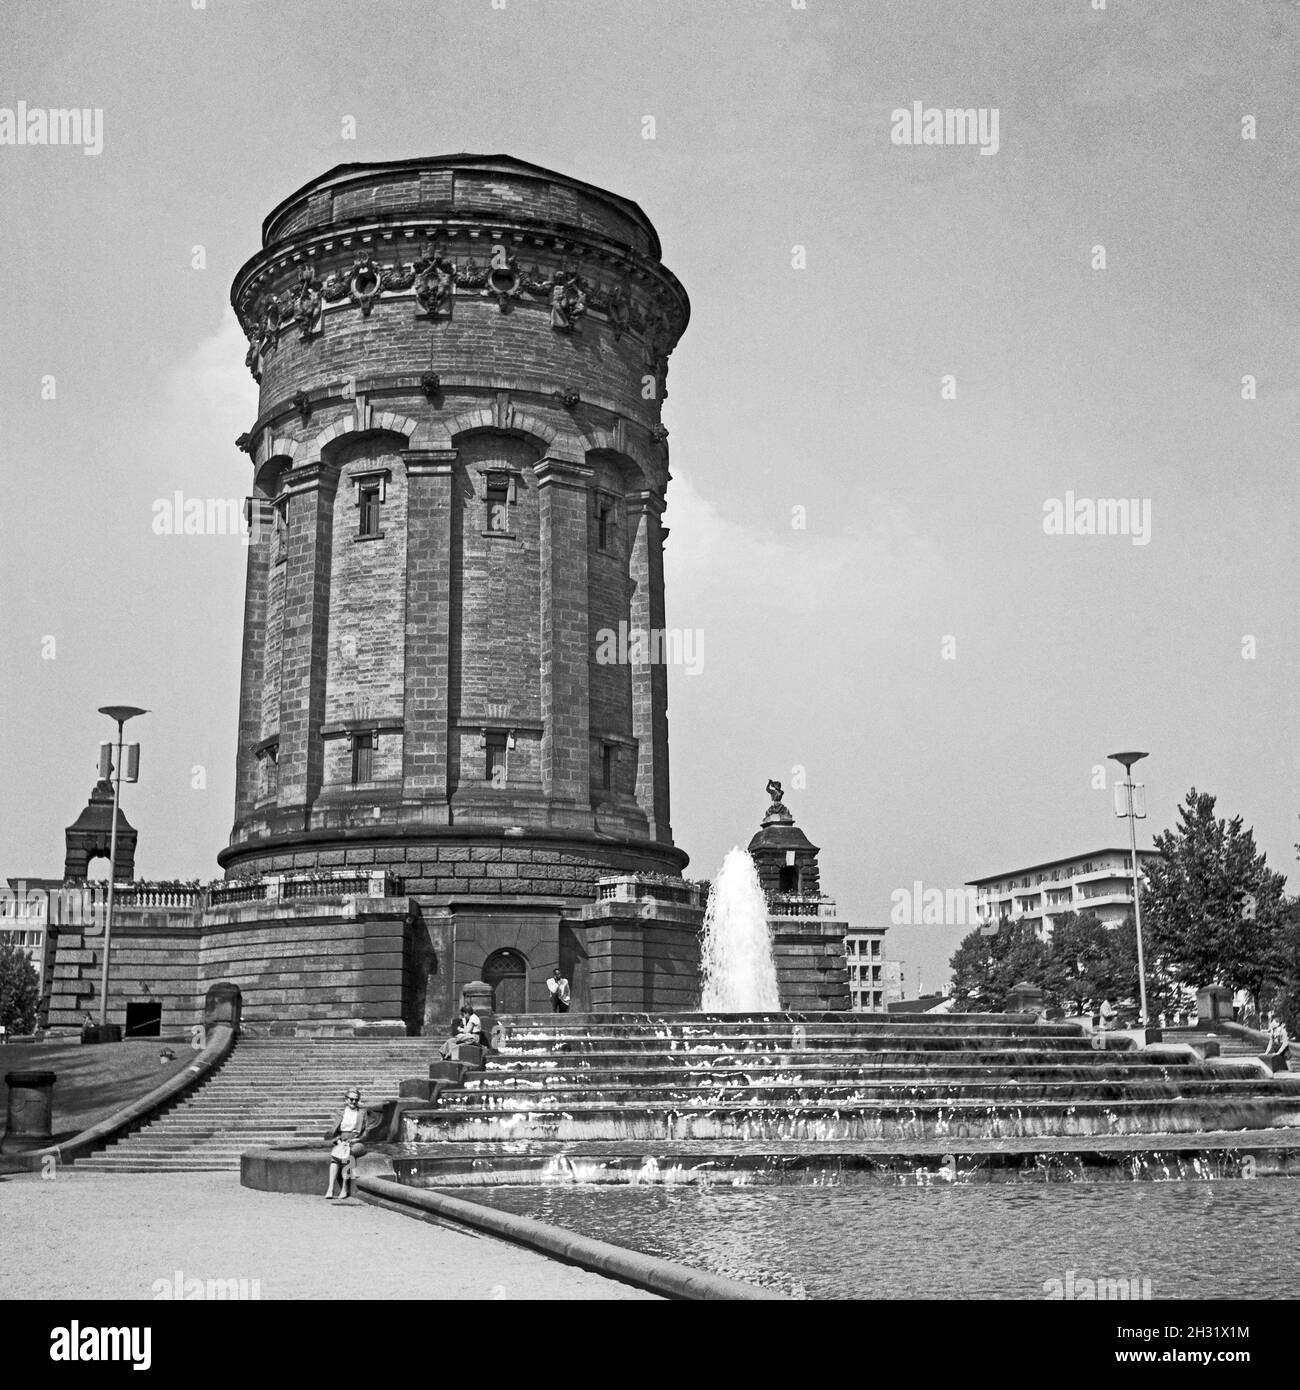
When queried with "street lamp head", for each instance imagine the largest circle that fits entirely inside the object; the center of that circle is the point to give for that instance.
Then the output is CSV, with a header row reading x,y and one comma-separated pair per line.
x,y
1128,759
121,713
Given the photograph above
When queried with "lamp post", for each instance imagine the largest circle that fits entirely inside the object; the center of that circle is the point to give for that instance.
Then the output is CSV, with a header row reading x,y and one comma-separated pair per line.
x,y
1130,811
120,714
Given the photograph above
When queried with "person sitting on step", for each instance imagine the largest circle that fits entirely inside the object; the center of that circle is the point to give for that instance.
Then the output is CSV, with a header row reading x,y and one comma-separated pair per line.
x,y
467,1029
1279,1044
345,1135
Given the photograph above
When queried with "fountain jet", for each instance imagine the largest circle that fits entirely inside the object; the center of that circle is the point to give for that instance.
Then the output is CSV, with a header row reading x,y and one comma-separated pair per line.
x,y
736,956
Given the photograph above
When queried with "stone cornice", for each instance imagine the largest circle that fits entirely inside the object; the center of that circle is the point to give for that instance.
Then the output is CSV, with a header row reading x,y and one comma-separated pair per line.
x,y
340,242
291,287
553,471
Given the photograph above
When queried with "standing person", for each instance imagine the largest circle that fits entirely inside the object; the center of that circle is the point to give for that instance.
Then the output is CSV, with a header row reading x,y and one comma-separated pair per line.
x,y
345,1134
1107,1015
559,988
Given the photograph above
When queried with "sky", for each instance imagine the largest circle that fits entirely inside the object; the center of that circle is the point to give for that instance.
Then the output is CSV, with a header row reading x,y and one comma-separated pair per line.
x,y
865,434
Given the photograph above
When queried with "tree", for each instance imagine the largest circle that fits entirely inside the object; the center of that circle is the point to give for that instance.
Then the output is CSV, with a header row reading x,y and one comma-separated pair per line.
x,y
1080,969
1286,1000
19,989
1211,907
985,969
1163,990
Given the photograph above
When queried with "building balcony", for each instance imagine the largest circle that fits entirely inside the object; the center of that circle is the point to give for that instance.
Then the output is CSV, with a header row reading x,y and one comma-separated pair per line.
x,y
1105,900
1095,875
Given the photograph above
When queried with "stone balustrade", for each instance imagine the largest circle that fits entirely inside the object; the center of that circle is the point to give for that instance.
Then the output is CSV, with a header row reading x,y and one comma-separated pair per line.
x,y
630,888
801,905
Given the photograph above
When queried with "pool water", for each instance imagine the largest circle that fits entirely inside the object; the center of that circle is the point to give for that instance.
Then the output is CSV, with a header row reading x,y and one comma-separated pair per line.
x,y
1213,1239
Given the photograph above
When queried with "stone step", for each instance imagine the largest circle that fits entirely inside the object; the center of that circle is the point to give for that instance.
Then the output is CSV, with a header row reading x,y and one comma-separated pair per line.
x,y
1030,1036
531,1078
144,1163
811,1041
865,1121
790,1093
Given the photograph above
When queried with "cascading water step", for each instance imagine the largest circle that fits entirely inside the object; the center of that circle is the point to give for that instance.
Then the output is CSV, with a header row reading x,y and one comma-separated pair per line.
x,y
777,1080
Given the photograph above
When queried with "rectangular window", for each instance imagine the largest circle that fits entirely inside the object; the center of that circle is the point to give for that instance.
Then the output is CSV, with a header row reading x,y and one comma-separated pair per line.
x,y
494,770
498,503
607,767
281,528
271,769
368,505
363,758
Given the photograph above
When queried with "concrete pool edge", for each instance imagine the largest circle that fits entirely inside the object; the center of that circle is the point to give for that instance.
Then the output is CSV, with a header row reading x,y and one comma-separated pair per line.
x,y
647,1272
303,1170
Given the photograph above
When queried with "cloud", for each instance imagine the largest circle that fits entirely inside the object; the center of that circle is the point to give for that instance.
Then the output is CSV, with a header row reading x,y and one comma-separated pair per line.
x,y
881,563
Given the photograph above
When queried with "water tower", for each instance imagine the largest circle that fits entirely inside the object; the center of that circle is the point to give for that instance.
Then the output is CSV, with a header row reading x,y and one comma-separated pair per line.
x,y
458,473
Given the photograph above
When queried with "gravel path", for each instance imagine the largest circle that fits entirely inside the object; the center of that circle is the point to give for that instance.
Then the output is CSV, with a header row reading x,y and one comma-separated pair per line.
x,y
111,1235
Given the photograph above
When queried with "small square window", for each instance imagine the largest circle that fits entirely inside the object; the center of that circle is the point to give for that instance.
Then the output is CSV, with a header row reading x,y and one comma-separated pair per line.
x,y
363,758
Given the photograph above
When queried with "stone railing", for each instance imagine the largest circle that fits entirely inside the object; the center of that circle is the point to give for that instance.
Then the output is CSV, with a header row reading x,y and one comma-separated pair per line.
x,y
630,888
191,895
266,888
800,905
315,883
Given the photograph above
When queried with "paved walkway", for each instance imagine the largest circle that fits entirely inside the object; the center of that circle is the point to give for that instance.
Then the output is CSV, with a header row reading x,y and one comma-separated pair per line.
x,y
111,1235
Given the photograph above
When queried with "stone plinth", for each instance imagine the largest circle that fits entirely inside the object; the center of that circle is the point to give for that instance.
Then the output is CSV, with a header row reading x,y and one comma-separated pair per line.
x,y
30,1110
638,948
808,950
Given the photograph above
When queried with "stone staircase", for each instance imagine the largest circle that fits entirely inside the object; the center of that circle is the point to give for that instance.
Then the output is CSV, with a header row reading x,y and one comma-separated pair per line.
x,y
268,1091
774,1079
1230,1045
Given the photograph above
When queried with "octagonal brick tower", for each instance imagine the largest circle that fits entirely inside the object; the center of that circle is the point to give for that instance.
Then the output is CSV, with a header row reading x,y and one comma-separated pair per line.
x,y
458,473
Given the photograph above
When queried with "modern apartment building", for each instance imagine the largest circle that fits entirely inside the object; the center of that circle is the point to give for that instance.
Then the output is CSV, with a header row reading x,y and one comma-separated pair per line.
x,y
870,975
25,916
1099,881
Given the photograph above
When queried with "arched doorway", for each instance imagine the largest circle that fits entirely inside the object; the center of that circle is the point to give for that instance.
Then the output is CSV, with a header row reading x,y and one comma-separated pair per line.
x,y
507,973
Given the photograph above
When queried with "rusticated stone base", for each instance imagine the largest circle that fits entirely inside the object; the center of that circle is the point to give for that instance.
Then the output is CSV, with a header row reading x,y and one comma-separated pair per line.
x,y
811,971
